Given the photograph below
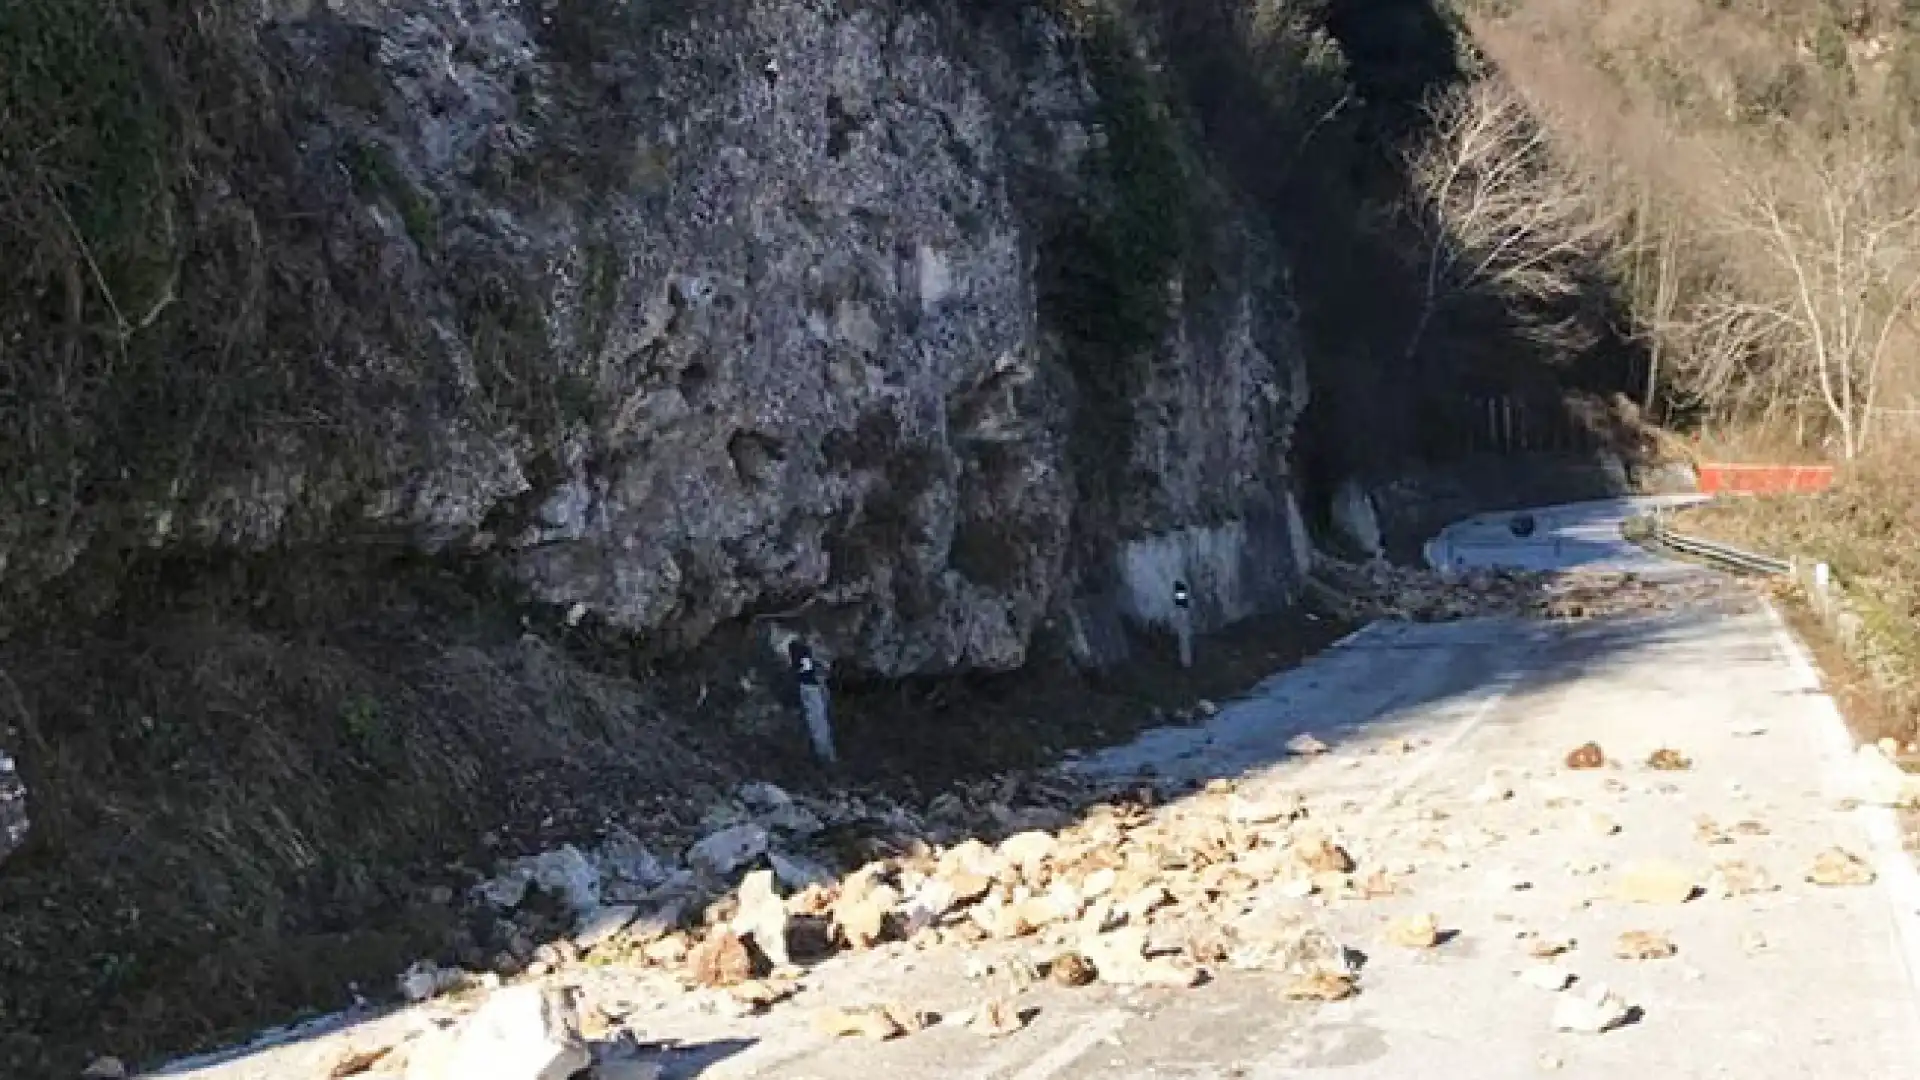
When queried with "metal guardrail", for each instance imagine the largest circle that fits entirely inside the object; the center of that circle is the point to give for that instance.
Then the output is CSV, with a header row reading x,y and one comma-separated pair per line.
x,y
1722,555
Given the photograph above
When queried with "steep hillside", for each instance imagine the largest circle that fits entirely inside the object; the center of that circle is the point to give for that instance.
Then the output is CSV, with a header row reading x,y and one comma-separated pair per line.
x,y
1756,165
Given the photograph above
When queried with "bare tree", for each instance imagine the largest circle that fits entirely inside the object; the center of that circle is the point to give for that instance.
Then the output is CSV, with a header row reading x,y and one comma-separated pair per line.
x,y
1839,227
1500,214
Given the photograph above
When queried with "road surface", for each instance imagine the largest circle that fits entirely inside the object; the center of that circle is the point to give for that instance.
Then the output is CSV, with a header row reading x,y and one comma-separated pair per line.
x,y
1795,983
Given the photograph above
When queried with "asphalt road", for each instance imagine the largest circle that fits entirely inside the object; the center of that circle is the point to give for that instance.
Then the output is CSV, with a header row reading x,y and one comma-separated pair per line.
x,y
1796,982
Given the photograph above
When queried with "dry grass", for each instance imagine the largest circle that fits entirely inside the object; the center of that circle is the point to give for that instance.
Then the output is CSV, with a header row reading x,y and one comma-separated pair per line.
x,y
1737,141
1868,529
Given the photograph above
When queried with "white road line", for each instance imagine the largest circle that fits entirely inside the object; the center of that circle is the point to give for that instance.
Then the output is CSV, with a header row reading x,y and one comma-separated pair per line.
x,y
1418,770
1062,1054
1094,1029
1347,639
1896,870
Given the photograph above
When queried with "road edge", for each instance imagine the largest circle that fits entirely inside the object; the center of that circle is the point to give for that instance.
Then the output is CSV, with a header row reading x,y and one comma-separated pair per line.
x,y
1898,877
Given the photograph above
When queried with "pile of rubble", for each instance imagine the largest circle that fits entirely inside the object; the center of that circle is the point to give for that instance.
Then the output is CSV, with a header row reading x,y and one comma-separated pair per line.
x,y
1376,590
1111,887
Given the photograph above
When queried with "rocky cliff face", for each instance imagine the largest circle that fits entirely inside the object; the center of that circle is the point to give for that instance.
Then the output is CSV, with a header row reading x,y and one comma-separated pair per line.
x,y
927,321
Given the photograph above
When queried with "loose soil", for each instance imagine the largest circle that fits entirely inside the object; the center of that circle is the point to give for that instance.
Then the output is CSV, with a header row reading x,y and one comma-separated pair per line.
x,y
165,908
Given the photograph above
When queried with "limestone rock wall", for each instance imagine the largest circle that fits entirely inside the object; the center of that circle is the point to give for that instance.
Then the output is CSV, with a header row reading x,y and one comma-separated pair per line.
x,y
678,314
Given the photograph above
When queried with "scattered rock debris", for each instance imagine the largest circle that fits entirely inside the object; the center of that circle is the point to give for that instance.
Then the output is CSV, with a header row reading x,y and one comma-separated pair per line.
x,y
1414,932
1644,945
878,1022
1379,590
1667,759
1549,977
996,1018
1043,877
1305,745
112,1068
1322,986
1839,868
1586,756
1545,948
1593,1012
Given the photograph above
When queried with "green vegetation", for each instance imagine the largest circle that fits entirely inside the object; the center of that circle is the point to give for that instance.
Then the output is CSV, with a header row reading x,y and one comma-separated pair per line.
x,y
378,176
1112,264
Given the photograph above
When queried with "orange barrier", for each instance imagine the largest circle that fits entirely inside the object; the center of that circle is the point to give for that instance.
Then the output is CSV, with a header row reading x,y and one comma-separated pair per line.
x,y
1723,479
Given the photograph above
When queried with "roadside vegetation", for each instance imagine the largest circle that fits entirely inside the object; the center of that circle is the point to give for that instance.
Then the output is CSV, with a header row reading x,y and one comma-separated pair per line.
x,y
1744,181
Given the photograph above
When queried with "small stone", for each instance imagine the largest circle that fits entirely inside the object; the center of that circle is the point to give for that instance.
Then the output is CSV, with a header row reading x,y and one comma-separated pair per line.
x,y
995,1019
1321,986
1324,855
1071,969
1549,977
720,960
761,993
528,1031
860,919
1147,901
723,852
762,916
1414,932
597,928
1376,885
1206,708
1028,850
1666,759
1099,883
1839,868
1271,810
1548,948
1121,960
1753,941
353,1062
1586,756
565,873
796,872
1596,1011
762,796
112,1068
1735,878
878,1022
1305,745
1601,825
671,949
1644,945
1550,1062
1655,883
425,979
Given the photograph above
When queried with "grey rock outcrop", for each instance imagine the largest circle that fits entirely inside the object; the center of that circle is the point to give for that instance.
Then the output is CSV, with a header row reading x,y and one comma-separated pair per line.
x,y
688,312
